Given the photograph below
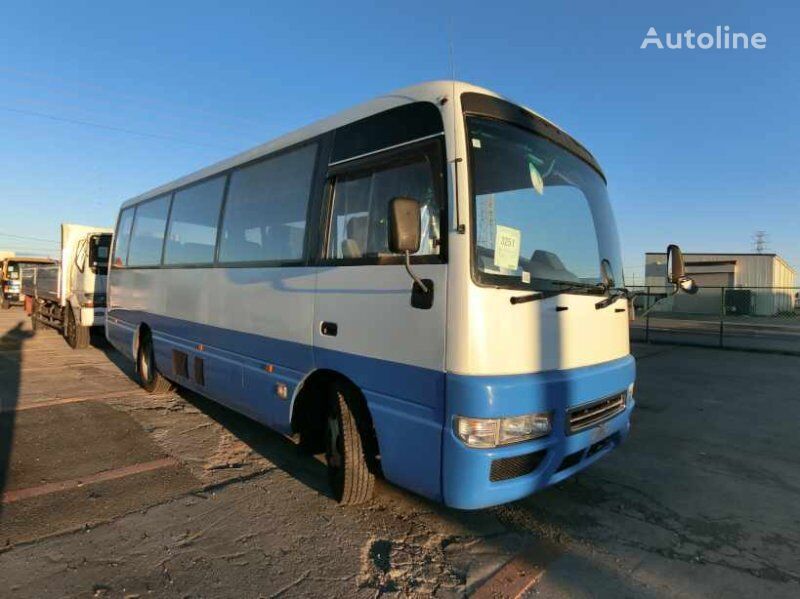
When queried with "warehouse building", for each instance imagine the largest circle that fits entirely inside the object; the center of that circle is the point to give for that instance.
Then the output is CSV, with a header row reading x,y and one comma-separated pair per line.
x,y
741,284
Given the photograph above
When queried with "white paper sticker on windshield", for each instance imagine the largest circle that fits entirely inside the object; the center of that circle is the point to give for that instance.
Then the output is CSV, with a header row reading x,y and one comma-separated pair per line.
x,y
476,143
506,248
536,179
526,277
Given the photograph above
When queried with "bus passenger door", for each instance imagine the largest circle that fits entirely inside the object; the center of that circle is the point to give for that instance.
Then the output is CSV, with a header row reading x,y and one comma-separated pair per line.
x,y
365,325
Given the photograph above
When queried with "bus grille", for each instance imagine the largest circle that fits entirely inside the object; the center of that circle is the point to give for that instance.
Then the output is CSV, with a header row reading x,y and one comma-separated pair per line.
x,y
586,416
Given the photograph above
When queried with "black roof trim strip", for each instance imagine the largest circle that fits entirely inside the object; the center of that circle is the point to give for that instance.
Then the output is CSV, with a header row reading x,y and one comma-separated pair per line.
x,y
386,129
483,105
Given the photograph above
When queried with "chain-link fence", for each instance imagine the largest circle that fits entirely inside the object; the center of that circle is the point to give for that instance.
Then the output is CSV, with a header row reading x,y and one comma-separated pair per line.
x,y
753,318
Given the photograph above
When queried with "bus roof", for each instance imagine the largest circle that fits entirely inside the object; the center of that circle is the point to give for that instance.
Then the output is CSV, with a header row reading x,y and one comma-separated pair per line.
x,y
430,91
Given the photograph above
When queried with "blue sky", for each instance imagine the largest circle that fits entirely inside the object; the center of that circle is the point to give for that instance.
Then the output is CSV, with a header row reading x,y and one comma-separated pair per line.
x,y
700,147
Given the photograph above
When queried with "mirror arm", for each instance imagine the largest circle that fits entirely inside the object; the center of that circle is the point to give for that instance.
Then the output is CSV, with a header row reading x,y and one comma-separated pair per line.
x,y
417,280
675,290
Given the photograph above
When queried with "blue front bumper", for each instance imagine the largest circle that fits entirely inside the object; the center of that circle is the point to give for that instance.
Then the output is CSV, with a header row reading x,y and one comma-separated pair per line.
x,y
466,471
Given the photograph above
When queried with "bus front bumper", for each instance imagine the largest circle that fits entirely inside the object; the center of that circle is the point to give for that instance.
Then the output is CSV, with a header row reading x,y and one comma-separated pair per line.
x,y
475,478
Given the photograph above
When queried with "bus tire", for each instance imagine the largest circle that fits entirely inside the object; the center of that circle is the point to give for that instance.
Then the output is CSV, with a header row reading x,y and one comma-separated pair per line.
x,y
6,304
348,470
76,335
150,378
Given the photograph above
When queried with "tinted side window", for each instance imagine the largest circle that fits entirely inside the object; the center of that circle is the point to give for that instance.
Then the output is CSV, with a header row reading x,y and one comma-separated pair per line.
x,y
192,232
359,220
123,237
265,213
147,237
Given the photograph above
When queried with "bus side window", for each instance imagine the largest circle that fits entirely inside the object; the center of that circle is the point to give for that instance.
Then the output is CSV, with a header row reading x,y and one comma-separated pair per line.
x,y
360,212
265,213
147,236
123,237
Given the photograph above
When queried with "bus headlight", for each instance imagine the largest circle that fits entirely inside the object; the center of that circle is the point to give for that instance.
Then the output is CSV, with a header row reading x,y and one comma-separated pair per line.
x,y
492,432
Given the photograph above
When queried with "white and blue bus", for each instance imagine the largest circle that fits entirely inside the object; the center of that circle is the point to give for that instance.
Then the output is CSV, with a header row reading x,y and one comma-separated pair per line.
x,y
426,287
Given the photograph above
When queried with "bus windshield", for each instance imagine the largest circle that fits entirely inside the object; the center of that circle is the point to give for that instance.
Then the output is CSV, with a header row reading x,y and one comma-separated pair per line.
x,y
542,218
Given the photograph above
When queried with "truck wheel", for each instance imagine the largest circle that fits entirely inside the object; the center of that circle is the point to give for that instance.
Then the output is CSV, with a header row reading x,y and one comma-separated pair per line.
x,y
35,322
149,377
76,335
6,304
349,475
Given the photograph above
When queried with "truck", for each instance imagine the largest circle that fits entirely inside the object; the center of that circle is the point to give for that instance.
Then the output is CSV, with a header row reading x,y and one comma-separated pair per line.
x,y
11,267
70,296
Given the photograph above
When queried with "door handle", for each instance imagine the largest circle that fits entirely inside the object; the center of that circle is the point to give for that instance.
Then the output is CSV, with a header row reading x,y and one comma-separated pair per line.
x,y
329,328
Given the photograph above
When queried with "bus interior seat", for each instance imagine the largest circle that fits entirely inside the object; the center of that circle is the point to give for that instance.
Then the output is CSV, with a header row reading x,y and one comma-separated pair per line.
x,y
356,242
191,252
247,251
278,241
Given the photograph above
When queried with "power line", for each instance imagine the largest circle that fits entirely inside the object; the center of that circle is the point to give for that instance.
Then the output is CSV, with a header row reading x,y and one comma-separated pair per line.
x,y
53,117
62,84
28,237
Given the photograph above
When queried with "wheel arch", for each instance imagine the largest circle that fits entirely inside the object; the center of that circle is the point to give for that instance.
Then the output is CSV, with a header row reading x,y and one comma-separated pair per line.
x,y
141,329
308,408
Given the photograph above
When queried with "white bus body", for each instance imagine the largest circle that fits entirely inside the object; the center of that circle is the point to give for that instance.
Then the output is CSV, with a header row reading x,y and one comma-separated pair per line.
x,y
276,295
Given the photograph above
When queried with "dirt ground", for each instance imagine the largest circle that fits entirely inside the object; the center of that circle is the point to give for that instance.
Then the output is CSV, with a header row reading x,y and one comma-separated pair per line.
x,y
109,492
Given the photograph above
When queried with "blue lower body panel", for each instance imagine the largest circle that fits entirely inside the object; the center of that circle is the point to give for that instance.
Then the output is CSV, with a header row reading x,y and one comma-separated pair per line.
x,y
406,402
466,482
412,408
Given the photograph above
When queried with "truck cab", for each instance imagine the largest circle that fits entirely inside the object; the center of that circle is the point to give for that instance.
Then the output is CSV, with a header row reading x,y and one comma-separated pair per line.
x,y
71,297
11,278
87,279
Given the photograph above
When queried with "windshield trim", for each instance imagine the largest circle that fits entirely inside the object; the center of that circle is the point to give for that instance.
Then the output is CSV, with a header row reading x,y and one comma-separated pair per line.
x,y
490,280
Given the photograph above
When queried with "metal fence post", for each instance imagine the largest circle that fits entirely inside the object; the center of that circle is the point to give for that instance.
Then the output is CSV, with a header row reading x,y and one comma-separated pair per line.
x,y
721,316
647,317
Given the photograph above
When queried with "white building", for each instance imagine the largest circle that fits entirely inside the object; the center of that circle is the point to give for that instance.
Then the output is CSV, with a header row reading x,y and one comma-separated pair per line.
x,y
755,284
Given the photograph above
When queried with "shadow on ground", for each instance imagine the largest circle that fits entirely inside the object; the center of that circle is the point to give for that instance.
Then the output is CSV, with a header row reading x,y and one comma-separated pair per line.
x,y
10,365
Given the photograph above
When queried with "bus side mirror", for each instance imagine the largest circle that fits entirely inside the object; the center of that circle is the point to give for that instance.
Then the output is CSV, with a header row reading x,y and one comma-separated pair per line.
x,y
676,270
405,230
405,218
675,267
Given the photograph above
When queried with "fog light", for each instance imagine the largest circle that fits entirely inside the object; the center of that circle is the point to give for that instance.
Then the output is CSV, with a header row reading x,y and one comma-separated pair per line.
x,y
491,432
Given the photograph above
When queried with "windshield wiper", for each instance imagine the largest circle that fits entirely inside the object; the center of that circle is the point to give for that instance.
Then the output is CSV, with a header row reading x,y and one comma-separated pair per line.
x,y
531,297
577,284
537,295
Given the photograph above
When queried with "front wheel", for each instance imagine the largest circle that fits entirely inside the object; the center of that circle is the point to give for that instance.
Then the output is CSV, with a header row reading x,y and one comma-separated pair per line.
x,y
348,471
76,335
149,377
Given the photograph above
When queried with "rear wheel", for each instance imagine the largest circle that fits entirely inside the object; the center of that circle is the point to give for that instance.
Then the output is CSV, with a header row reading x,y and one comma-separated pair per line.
x,y
6,304
76,335
348,470
149,377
